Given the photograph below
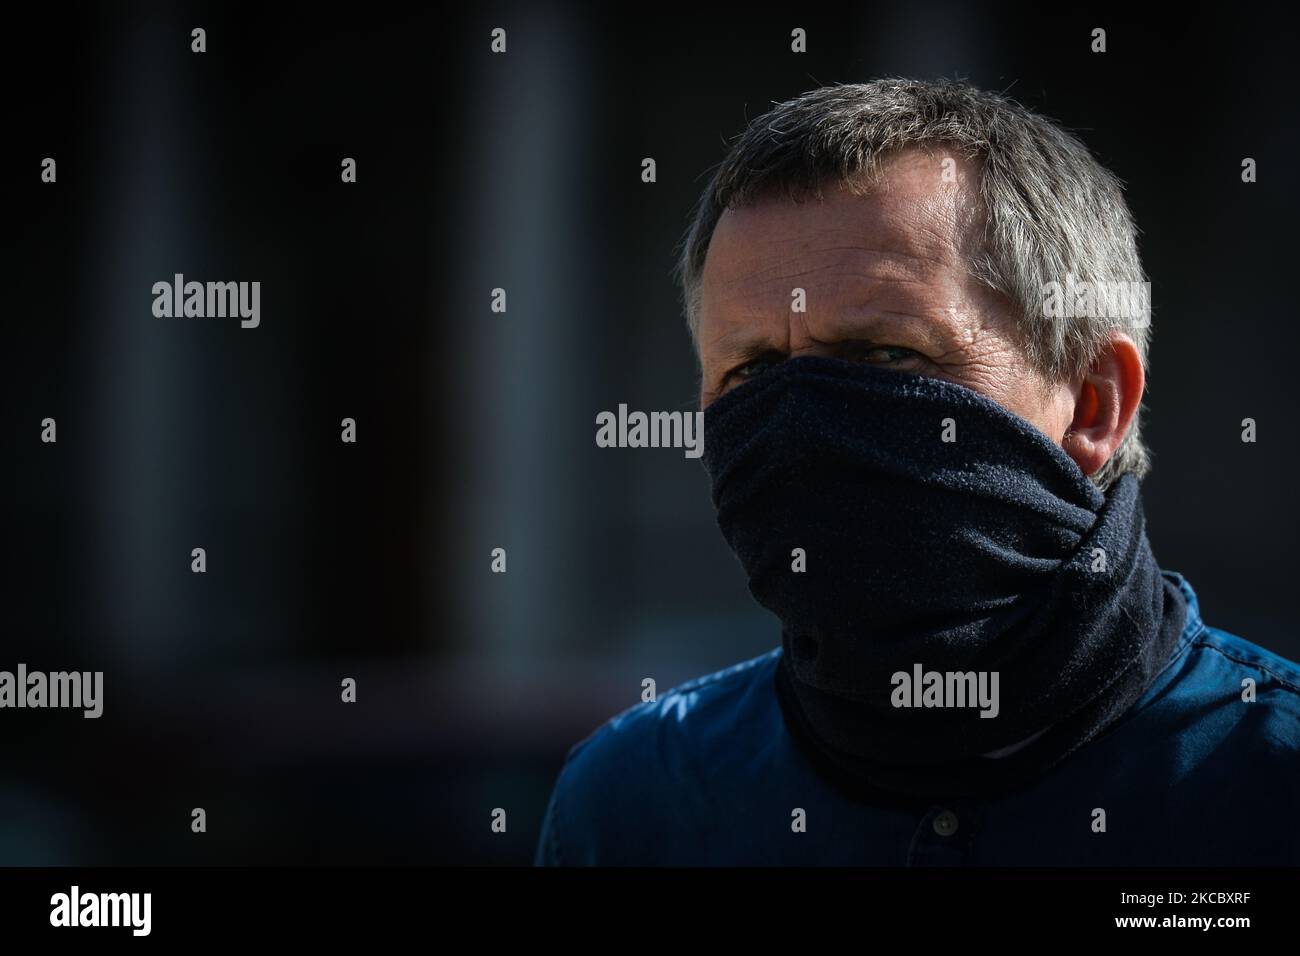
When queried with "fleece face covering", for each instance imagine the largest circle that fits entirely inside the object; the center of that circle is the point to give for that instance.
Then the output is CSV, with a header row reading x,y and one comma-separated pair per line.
x,y
961,607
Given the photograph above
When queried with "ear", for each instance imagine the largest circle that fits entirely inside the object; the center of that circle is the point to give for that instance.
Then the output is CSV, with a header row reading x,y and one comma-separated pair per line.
x,y
1106,401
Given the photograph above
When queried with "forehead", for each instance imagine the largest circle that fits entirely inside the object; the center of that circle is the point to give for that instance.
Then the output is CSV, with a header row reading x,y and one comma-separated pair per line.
x,y
922,214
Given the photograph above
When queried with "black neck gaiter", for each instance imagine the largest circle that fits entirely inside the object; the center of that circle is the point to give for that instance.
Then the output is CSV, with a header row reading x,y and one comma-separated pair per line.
x,y
901,525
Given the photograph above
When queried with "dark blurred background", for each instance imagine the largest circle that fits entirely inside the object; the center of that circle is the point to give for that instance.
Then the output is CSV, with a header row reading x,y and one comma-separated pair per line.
x,y
476,429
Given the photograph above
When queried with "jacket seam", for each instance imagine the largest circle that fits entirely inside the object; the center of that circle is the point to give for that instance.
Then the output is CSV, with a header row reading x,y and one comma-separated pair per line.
x,y
1257,665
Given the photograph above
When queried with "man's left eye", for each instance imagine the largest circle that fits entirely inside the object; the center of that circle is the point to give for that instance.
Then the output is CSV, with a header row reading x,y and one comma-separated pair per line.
x,y
886,354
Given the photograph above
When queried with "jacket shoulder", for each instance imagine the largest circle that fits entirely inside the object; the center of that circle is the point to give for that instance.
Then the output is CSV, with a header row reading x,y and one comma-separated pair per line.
x,y
655,759
1242,654
1244,692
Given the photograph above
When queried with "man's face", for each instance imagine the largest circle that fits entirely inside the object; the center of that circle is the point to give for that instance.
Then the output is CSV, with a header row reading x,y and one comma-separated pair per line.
x,y
886,281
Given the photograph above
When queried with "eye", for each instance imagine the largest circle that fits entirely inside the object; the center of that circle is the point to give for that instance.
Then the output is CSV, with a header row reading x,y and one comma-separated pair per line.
x,y
755,366
888,355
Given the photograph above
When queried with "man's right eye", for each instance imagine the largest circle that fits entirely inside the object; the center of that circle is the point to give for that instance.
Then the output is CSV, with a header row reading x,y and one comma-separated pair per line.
x,y
755,367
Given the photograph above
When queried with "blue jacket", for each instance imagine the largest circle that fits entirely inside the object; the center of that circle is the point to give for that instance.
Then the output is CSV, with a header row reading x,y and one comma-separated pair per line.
x,y
1192,775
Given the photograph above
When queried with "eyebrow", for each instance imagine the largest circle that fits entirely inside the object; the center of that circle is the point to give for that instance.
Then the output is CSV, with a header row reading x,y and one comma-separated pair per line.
x,y
747,342
742,345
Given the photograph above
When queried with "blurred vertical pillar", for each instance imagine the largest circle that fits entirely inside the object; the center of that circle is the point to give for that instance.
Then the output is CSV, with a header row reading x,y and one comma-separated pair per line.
x,y
146,391
521,225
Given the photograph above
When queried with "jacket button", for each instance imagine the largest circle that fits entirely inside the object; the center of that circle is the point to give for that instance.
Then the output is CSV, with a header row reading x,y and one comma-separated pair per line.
x,y
945,823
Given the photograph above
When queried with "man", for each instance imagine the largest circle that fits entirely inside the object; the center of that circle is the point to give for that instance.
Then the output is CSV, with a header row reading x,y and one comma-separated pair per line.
x,y
921,395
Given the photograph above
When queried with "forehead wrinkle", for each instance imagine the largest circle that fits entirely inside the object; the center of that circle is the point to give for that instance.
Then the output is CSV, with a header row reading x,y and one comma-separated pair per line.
x,y
861,264
841,307
860,322
849,270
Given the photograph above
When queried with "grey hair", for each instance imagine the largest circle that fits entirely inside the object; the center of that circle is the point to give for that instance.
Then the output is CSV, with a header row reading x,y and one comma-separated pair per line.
x,y
1051,210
